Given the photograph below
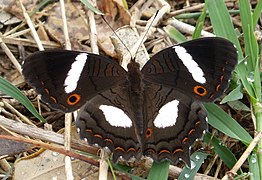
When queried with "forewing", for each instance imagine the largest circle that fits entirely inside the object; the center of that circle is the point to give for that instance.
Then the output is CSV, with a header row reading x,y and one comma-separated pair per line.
x,y
67,79
199,68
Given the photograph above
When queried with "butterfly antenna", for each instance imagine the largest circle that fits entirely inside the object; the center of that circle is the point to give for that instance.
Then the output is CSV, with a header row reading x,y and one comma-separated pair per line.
x,y
117,36
146,32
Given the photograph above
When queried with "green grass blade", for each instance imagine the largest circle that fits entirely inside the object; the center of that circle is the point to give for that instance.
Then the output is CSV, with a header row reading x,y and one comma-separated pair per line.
x,y
196,15
223,27
234,95
197,159
238,106
159,171
223,152
251,47
91,7
221,21
125,169
39,6
175,34
257,13
111,168
9,89
125,4
199,25
254,166
226,124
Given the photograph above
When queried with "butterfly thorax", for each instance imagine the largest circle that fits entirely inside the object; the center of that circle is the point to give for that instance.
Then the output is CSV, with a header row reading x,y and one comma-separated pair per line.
x,y
134,78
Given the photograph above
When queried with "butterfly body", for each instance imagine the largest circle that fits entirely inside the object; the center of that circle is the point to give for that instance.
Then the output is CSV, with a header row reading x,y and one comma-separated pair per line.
x,y
156,111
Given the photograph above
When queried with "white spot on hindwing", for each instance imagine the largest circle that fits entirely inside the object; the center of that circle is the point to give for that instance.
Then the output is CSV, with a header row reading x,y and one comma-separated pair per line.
x,y
75,72
167,115
115,116
190,64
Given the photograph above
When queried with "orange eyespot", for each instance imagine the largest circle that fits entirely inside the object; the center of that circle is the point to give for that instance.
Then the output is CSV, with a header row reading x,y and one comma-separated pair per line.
x,y
73,99
200,90
149,133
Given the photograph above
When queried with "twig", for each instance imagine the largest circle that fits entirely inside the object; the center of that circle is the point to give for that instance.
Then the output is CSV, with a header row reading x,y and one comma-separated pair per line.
x,y
27,42
68,116
19,33
244,156
13,110
186,28
34,33
67,145
187,9
10,55
22,24
5,165
139,10
44,135
103,165
50,147
65,29
103,168
93,32
31,26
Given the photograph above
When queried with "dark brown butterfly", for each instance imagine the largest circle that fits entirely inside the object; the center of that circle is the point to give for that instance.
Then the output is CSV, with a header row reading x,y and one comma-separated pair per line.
x,y
156,111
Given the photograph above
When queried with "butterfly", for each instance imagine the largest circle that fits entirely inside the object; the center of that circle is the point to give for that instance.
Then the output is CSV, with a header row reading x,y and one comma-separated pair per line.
x,y
155,110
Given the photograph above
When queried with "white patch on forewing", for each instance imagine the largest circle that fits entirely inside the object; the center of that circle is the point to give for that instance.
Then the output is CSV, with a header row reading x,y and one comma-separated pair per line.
x,y
191,65
75,72
167,115
115,116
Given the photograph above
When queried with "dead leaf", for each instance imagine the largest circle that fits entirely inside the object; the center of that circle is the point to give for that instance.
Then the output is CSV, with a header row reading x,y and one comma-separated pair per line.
x,y
77,26
16,10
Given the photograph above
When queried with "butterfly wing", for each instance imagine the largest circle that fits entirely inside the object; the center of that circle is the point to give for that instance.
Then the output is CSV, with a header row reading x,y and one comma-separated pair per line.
x,y
176,80
199,68
67,79
105,120
174,122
